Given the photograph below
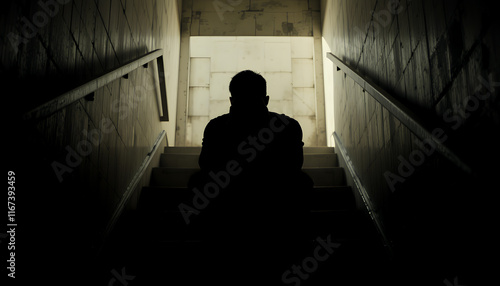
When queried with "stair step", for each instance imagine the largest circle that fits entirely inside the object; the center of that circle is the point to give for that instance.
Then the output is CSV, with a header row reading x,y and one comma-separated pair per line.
x,y
197,149
326,176
165,226
320,160
179,160
167,255
164,199
190,160
172,177
341,224
183,150
332,198
316,150
179,177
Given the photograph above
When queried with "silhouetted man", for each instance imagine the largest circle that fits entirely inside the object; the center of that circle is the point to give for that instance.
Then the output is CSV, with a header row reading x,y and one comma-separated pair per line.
x,y
255,157
262,142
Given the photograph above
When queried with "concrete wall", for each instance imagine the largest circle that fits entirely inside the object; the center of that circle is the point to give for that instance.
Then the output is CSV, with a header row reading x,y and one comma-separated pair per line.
x,y
439,58
77,163
251,18
285,62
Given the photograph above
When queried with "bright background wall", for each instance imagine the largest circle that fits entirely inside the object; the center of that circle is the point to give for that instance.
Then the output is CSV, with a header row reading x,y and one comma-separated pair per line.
x,y
285,62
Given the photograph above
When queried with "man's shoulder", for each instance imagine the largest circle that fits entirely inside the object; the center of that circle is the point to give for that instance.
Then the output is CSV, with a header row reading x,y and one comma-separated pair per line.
x,y
284,118
225,118
217,122
219,119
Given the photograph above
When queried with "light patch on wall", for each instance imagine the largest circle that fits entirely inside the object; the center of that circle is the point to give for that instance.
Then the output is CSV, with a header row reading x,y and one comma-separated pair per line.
x,y
285,62
328,70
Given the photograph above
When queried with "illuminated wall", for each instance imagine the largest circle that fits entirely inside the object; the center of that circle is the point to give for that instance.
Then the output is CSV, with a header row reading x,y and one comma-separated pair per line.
x,y
285,62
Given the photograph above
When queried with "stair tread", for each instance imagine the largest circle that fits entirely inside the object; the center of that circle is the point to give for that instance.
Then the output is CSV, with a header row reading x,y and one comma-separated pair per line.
x,y
177,168
324,149
190,160
178,177
315,188
166,199
331,212
321,168
187,153
343,224
331,203
194,149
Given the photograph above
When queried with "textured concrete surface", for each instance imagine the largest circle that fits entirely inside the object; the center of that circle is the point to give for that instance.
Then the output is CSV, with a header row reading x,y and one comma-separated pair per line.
x,y
250,18
285,62
75,165
438,58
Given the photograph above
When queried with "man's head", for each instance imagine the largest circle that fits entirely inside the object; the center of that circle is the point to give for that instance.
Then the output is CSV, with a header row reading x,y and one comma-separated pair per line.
x,y
248,88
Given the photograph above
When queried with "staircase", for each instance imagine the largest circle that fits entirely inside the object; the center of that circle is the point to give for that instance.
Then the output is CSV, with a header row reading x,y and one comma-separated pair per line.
x,y
160,247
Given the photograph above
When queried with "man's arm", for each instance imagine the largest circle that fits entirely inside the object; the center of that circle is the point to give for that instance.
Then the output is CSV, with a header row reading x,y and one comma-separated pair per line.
x,y
296,145
212,150
207,149
290,148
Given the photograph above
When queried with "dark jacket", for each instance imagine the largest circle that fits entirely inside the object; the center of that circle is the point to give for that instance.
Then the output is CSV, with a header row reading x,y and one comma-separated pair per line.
x,y
260,214
265,144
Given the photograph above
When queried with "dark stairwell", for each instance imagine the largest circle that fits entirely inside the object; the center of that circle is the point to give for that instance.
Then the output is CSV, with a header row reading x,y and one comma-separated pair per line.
x,y
439,58
157,245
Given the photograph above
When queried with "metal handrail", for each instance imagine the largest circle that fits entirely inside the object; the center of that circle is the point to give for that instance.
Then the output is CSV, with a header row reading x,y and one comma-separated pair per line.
x,y
134,183
372,212
91,86
401,112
